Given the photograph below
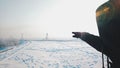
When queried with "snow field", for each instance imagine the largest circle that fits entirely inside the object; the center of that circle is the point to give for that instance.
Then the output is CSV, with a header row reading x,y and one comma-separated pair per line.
x,y
54,54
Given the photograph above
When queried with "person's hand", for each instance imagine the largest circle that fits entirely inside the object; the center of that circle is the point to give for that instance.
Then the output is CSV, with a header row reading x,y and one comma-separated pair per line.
x,y
78,34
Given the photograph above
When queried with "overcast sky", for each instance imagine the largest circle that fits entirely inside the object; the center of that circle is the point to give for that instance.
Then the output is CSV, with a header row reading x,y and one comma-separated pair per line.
x,y
58,18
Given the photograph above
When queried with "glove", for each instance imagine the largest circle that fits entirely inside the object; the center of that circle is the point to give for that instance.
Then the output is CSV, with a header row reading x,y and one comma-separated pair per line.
x,y
79,34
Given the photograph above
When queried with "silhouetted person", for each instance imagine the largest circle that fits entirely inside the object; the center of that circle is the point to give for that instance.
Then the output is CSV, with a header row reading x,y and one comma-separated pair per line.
x,y
108,21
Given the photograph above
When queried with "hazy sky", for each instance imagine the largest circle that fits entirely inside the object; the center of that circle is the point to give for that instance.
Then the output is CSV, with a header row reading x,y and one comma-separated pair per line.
x,y
58,18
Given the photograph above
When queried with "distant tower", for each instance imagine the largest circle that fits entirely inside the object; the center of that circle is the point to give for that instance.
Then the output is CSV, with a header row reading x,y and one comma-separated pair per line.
x,y
21,39
21,36
46,36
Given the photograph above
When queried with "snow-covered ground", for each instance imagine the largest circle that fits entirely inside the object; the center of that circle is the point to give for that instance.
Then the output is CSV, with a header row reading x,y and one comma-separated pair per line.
x,y
51,54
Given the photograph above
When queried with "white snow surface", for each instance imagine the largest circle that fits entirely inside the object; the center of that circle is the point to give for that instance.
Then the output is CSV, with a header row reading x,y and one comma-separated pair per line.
x,y
51,54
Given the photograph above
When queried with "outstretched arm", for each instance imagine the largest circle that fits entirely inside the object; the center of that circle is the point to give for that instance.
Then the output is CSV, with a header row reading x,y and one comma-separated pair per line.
x,y
92,40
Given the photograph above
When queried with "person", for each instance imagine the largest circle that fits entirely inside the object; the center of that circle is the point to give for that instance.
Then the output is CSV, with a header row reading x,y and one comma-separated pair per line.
x,y
108,41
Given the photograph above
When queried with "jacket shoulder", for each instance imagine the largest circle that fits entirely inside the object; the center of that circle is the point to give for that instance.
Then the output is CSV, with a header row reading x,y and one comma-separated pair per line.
x,y
105,12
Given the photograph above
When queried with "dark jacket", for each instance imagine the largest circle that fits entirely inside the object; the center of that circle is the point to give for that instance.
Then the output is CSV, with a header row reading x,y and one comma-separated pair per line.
x,y
108,21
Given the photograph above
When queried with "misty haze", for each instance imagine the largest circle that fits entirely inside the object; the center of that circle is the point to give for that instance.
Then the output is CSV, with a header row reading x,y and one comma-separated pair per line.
x,y
38,34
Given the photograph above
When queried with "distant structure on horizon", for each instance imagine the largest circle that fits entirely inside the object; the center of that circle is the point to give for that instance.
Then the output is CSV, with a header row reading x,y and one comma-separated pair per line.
x,y
22,37
46,38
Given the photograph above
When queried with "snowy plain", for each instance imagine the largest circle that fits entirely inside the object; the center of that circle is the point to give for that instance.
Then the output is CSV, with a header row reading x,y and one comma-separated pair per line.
x,y
51,54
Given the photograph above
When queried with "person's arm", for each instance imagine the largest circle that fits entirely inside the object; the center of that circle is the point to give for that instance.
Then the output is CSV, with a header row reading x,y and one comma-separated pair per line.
x,y
92,40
